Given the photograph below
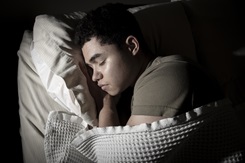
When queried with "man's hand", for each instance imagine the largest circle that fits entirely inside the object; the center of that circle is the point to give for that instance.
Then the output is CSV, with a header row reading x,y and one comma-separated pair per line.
x,y
110,100
108,115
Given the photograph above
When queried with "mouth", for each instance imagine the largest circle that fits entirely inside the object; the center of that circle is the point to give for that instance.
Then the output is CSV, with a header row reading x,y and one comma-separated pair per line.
x,y
102,86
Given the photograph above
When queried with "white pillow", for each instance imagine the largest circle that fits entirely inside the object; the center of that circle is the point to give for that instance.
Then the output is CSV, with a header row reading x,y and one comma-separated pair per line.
x,y
57,61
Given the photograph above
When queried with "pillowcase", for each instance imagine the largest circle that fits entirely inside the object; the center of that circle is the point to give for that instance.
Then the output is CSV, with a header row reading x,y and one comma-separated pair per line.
x,y
57,61
34,104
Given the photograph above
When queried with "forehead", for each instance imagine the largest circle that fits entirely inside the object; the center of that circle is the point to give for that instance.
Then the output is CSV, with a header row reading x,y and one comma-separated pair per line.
x,y
91,45
94,47
91,48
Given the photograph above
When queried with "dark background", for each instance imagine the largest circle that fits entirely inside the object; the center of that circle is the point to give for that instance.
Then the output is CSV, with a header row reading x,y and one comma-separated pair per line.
x,y
17,16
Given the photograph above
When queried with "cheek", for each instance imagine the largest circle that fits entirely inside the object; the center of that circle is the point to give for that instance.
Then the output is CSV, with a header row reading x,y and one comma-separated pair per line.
x,y
112,71
116,73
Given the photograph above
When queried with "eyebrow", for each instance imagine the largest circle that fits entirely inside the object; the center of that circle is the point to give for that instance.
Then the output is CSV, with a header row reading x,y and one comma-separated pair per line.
x,y
93,58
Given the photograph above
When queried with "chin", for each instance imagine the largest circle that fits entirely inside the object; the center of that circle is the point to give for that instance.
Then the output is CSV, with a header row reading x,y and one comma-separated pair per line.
x,y
113,93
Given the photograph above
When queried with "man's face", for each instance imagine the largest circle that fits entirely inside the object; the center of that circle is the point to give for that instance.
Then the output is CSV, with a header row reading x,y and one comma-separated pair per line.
x,y
113,68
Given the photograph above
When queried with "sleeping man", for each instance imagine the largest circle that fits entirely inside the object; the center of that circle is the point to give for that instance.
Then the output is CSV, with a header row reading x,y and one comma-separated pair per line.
x,y
114,49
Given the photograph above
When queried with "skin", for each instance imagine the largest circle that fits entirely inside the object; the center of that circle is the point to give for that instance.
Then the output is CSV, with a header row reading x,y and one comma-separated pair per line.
x,y
114,70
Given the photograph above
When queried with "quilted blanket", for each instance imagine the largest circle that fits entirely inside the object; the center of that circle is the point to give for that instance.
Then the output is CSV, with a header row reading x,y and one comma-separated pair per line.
x,y
209,133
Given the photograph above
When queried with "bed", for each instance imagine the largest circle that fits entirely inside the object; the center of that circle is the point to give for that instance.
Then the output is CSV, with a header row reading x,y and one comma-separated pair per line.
x,y
56,107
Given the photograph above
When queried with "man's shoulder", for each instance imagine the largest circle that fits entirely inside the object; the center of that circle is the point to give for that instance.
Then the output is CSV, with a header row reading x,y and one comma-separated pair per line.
x,y
162,62
160,67
170,58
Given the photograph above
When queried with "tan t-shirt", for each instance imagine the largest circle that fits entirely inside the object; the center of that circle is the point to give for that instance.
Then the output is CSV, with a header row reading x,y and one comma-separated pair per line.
x,y
172,85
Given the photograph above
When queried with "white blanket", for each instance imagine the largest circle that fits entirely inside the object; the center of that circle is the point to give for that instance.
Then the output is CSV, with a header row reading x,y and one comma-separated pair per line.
x,y
206,134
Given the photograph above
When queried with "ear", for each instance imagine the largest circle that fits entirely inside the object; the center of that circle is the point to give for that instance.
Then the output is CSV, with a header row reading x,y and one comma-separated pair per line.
x,y
132,44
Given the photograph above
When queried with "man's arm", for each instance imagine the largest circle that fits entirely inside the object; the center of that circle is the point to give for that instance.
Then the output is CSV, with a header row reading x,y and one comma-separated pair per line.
x,y
139,119
108,115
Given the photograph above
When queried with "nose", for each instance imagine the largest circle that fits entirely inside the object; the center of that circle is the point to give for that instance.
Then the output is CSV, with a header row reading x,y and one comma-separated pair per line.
x,y
96,76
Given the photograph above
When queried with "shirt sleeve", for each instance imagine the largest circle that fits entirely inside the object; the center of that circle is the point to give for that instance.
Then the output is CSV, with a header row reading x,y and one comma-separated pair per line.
x,y
162,91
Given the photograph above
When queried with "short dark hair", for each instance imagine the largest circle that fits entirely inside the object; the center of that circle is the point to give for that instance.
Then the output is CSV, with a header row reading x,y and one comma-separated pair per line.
x,y
110,23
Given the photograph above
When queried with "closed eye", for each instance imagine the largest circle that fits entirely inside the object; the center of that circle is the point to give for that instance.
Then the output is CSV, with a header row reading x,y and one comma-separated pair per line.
x,y
102,63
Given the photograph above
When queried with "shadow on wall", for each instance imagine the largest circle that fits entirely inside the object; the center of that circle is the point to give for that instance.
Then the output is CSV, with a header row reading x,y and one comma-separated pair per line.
x,y
219,33
218,30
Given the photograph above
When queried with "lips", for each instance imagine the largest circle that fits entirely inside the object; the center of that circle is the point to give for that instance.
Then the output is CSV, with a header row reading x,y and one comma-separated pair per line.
x,y
102,86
